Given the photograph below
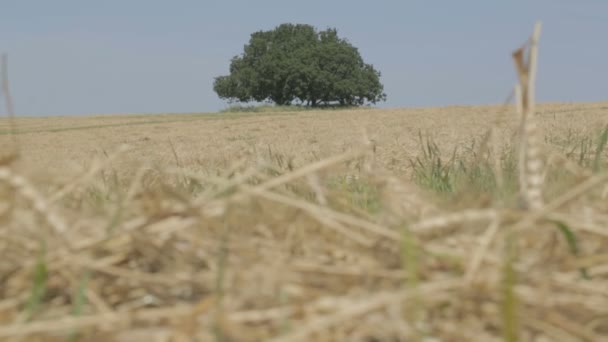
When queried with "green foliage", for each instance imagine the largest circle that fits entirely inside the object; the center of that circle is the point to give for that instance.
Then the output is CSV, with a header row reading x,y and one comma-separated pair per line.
x,y
297,63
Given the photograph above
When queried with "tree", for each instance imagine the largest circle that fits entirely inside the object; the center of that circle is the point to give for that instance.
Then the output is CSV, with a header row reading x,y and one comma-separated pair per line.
x,y
297,63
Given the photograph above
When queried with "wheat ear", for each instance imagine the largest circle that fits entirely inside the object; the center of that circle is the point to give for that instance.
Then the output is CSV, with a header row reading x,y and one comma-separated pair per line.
x,y
530,154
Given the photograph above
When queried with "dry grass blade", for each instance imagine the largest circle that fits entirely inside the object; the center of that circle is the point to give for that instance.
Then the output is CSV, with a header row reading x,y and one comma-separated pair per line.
x,y
144,278
345,272
323,213
308,169
112,318
562,200
484,244
353,310
568,330
435,225
555,332
39,203
318,211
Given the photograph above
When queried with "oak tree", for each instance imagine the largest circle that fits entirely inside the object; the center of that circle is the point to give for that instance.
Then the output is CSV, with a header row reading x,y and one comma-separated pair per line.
x,y
297,63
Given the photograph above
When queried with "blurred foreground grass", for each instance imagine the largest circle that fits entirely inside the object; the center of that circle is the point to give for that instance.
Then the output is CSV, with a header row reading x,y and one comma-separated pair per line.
x,y
338,249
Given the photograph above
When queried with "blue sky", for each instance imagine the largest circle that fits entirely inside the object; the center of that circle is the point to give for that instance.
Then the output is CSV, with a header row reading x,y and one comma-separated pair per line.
x,y
147,56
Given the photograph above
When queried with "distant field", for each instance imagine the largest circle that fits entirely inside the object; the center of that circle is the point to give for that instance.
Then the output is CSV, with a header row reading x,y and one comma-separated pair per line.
x,y
209,140
353,225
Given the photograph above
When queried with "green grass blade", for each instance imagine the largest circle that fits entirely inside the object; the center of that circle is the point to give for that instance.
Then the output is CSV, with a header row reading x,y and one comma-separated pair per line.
x,y
601,145
79,302
572,243
80,298
39,284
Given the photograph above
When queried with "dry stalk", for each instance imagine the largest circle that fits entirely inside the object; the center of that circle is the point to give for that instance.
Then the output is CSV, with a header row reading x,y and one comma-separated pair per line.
x,y
10,111
313,209
484,244
530,158
110,318
562,200
141,277
308,169
38,202
435,225
318,211
349,312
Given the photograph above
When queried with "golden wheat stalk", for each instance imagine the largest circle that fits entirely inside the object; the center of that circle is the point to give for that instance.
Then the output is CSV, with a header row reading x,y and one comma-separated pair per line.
x,y
38,202
8,101
530,153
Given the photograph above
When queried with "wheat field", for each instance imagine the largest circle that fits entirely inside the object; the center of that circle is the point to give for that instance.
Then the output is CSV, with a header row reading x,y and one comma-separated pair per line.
x,y
217,140
335,225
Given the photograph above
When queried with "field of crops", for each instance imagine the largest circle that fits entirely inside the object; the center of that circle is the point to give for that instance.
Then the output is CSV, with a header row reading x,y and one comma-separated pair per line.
x,y
334,225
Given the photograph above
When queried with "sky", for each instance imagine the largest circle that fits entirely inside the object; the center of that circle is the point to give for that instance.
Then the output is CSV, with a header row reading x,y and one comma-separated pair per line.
x,y
70,57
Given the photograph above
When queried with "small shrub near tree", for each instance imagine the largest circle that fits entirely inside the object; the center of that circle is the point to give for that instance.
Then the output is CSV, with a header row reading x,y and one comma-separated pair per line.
x,y
298,64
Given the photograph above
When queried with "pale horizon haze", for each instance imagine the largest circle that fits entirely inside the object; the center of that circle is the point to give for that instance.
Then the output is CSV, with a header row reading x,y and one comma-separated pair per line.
x,y
69,57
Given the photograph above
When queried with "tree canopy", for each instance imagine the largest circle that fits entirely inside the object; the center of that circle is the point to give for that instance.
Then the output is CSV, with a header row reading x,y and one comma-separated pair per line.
x,y
297,63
